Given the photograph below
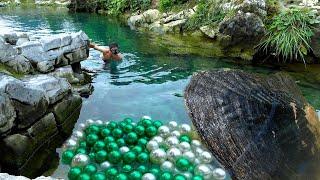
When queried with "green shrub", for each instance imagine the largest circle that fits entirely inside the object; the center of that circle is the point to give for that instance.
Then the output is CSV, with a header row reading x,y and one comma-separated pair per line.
x,y
166,5
209,12
116,7
289,34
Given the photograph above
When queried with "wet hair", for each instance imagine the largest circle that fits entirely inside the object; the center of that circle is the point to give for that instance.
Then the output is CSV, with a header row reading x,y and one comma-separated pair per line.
x,y
114,48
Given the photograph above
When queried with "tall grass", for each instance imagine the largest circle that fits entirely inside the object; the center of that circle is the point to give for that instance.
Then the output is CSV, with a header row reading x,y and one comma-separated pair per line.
x,y
289,34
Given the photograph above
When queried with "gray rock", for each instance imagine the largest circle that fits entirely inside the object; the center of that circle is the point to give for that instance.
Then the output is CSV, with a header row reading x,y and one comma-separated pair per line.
x,y
30,102
45,66
257,7
5,80
67,73
64,59
136,21
79,39
50,42
43,129
7,113
151,15
243,27
11,38
208,31
22,40
20,64
54,88
16,149
34,51
78,55
7,52
175,26
65,39
67,112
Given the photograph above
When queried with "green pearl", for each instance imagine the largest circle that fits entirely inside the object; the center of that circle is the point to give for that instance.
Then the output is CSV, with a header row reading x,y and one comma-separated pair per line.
x,y
146,122
121,142
83,144
92,138
99,145
157,123
142,169
74,172
105,132
121,176
111,172
122,124
84,176
90,169
93,129
108,139
92,156
114,157
127,168
137,149
131,138
143,157
139,130
81,151
166,176
128,120
179,177
185,138
112,125
129,157
182,164
155,171
101,156
67,157
128,128
151,131
197,178
117,133
135,175
142,142
112,146
98,176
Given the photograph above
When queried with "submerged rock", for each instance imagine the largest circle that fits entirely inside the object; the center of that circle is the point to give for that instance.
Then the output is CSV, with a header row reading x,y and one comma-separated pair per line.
x,y
257,127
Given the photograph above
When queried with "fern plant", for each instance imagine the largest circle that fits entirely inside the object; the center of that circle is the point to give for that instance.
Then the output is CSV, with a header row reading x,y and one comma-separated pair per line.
x,y
289,34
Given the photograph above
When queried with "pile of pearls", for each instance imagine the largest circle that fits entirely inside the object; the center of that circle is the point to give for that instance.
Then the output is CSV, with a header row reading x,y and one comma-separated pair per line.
x,y
146,150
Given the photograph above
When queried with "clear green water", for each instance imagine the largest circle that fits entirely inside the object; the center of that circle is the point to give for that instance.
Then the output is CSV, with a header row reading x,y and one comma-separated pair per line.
x,y
154,72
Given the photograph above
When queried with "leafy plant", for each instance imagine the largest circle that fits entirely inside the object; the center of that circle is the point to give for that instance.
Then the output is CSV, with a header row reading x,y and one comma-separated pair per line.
x,y
289,34
116,7
165,5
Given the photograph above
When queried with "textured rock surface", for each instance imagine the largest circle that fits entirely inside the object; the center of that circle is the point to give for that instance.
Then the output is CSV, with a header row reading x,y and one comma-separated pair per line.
x,y
315,43
7,113
257,127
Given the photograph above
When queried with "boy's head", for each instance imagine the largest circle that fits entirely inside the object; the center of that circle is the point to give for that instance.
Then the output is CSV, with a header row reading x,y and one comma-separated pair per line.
x,y
114,48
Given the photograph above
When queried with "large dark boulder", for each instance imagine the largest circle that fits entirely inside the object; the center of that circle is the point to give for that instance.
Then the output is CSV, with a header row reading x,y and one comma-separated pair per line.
x,y
257,127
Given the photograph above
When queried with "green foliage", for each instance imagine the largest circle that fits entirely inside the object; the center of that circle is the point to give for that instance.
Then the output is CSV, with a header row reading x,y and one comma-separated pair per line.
x,y
209,12
289,35
116,7
166,5
273,8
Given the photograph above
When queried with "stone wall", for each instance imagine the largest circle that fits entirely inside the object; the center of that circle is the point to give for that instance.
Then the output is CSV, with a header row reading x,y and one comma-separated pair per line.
x,y
38,109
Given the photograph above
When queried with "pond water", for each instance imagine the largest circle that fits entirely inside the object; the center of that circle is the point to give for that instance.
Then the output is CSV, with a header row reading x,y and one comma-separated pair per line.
x,y
154,72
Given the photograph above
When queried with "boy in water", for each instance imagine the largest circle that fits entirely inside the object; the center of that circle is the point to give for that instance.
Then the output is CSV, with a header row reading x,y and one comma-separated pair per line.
x,y
111,52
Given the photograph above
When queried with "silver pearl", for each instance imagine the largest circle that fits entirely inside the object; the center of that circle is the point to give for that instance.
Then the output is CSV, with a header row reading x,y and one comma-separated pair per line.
x,y
99,122
106,123
219,174
89,122
82,126
167,166
152,145
195,144
70,144
175,133
173,153
148,176
80,160
164,131
189,155
105,165
187,175
78,134
146,117
184,146
173,125
203,170
185,128
176,171
198,152
197,161
206,157
124,149
172,141
158,156
158,139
